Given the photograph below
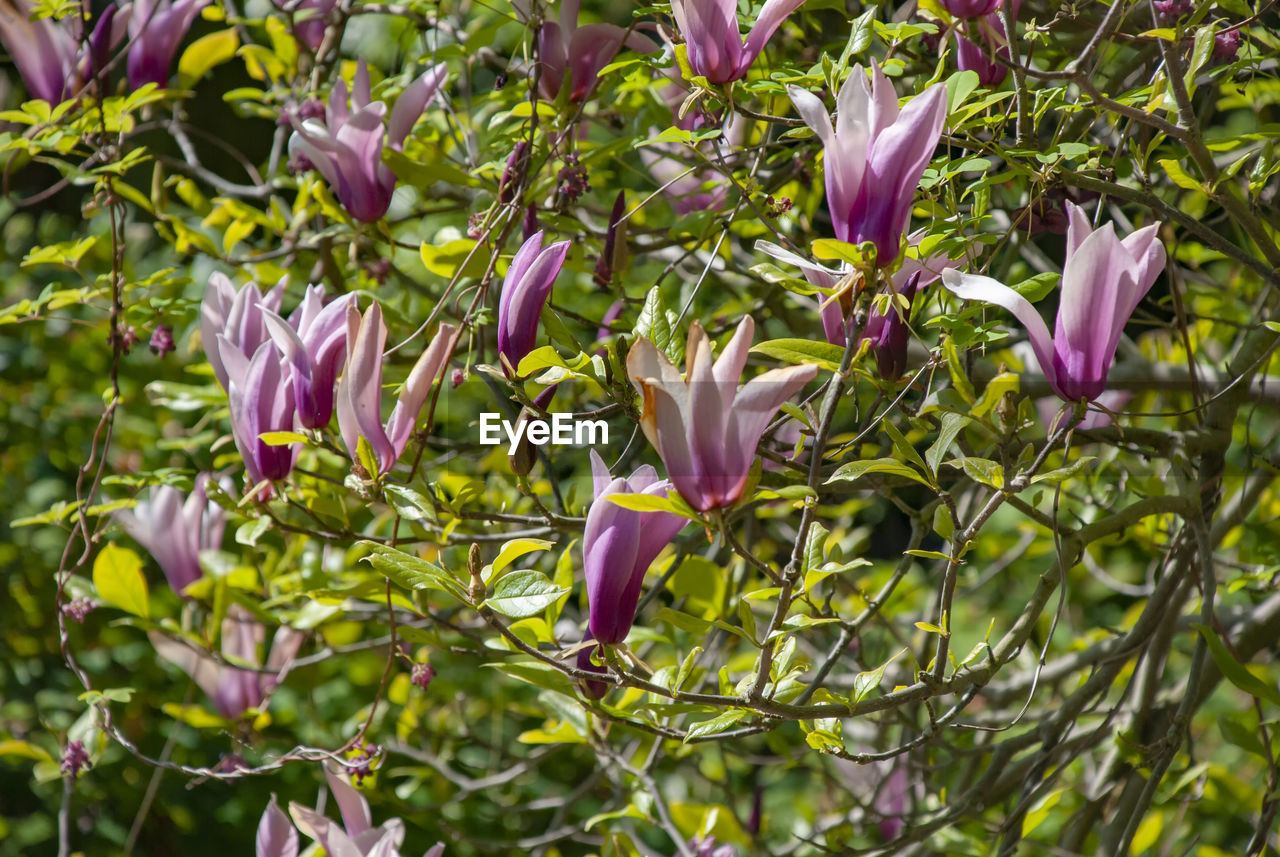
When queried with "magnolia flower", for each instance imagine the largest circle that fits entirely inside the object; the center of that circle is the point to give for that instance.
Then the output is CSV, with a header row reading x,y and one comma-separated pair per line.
x,y
889,334
49,52
980,39
1103,280
155,30
234,689
314,341
703,426
1110,400
970,8
592,688
615,251
174,530
347,146
701,188
237,316
260,396
516,164
357,837
891,801
706,846
713,41
693,190
874,156
525,291
276,836
581,51
312,14
615,554
360,388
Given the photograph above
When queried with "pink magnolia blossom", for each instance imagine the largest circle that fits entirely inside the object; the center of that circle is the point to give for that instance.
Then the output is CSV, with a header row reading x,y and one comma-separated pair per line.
x,y
346,147
980,40
276,836
356,837
705,428
310,19
234,689
175,529
237,316
360,388
1103,280
713,42
889,333
874,155
525,290
581,52
619,545
314,341
156,28
50,53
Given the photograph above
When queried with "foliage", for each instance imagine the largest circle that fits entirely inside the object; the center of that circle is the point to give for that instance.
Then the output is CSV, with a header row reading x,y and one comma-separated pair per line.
x,y
943,613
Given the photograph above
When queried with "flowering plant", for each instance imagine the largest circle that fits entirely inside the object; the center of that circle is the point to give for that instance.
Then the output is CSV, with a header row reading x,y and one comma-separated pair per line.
x,y
578,428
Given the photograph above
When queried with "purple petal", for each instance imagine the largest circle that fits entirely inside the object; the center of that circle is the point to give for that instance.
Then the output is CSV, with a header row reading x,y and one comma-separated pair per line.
x,y
971,287
412,102
276,836
360,388
767,23
356,817
414,393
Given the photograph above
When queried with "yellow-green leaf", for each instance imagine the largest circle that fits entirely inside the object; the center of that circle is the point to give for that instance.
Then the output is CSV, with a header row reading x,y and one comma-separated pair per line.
x,y
281,438
516,548
1179,176
117,574
204,53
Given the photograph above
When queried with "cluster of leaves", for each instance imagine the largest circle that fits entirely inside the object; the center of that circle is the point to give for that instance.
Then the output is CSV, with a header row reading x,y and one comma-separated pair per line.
x,y
939,617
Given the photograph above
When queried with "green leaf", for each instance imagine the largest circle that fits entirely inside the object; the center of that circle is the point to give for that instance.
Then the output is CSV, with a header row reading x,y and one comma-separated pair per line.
x,y
516,548
797,351
1178,175
409,504
652,503
411,572
249,532
205,53
459,257
860,37
1053,477
524,593
959,87
959,380
815,549
281,438
194,716
25,750
952,425
656,323
715,725
856,469
903,446
997,387
1234,671
117,575
981,470
1236,733
865,682
366,457
686,667
831,250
